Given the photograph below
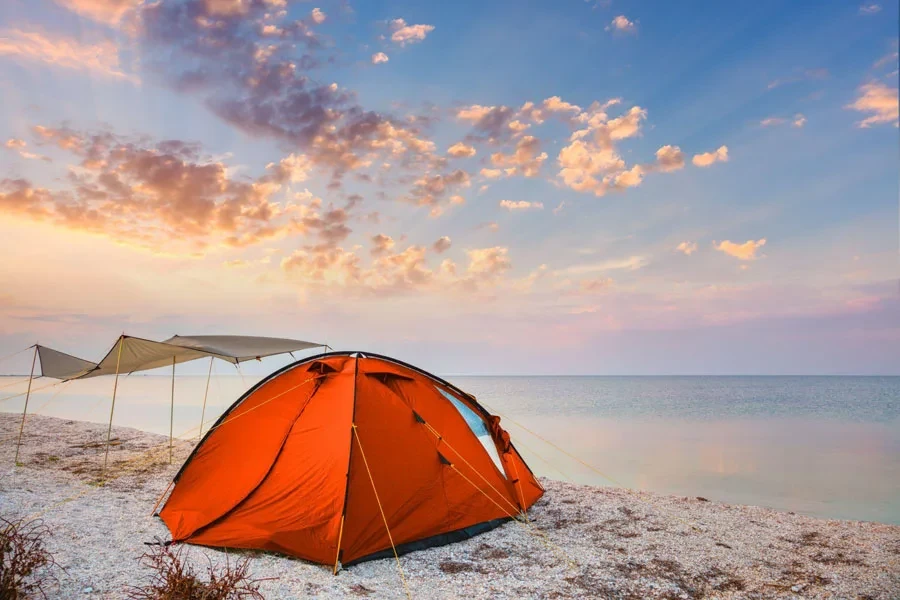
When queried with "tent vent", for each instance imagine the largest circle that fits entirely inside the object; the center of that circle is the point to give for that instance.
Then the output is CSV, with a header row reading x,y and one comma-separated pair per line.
x,y
320,367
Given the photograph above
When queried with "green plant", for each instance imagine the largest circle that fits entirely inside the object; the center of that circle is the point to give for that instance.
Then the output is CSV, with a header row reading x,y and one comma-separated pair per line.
x,y
173,579
26,567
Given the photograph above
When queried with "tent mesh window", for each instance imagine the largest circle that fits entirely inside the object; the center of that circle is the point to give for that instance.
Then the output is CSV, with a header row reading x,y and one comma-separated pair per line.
x,y
478,427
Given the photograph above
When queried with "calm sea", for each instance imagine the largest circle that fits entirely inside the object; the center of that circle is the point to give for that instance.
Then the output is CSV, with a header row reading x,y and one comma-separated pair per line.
x,y
824,446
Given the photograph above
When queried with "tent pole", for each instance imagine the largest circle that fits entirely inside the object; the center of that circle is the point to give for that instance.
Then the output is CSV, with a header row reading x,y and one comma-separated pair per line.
x,y
205,394
172,411
112,407
25,410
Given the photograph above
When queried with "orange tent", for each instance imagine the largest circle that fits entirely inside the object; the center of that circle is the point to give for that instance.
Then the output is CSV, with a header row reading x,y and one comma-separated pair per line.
x,y
345,457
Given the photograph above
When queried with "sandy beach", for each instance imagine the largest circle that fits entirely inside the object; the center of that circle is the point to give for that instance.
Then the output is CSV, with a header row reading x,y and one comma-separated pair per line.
x,y
582,542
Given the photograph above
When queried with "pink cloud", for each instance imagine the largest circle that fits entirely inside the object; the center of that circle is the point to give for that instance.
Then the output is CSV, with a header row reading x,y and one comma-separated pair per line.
x,y
101,58
515,205
746,251
880,101
687,248
526,160
403,33
461,150
709,158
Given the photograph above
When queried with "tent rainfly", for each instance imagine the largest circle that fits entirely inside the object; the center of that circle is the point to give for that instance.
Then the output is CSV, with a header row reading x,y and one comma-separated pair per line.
x,y
131,354
346,457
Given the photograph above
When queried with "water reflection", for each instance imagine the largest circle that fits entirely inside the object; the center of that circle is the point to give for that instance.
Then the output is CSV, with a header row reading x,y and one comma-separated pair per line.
x,y
819,467
775,442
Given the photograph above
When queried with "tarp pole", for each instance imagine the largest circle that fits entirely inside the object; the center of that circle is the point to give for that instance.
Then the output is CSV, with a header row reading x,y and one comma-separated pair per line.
x,y
172,411
25,410
112,408
205,394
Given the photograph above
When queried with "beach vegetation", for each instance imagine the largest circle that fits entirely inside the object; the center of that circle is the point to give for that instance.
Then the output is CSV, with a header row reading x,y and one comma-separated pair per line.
x,y
174,578
26,566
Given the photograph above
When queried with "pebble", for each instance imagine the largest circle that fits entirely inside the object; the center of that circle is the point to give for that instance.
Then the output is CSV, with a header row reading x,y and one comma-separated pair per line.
x,y
582,542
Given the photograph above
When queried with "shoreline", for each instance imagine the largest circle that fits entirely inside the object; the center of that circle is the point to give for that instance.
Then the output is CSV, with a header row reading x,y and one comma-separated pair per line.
x,y
583,541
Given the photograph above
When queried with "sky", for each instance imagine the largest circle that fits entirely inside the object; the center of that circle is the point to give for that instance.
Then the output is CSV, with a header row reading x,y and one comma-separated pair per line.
x,y
519,187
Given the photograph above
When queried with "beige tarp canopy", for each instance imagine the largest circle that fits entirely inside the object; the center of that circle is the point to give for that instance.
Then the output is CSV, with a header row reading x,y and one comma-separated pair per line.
x,y
239,348
59,365
130,354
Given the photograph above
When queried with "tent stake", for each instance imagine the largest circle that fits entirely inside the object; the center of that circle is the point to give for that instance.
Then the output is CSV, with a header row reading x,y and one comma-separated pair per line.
x,y
112,408
172,411
25,410
205,394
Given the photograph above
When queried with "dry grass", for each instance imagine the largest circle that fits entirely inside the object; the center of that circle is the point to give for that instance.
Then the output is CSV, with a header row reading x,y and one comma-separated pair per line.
x,y
174,579
26,567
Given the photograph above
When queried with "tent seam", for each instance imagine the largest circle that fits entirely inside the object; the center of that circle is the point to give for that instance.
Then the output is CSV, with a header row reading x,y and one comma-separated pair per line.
x,y
337,554
268,471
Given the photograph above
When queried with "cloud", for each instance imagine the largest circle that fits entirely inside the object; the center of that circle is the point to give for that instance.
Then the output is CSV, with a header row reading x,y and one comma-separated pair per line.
x,y
329,226
381,244
526,160
746,251
594,286
379,58
629,263
461,150
261,85
394,272
798,121
553,106
807,75
880,101
686,248
101,58
318,16
293,168
708,158
323,265
429,190
442,244
168,195
490,123
521,205
591,162
110,12
869,8
526,283
623,24
488,263
473,113
630,178
18,146
408,34
491,173
887,59
669,158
